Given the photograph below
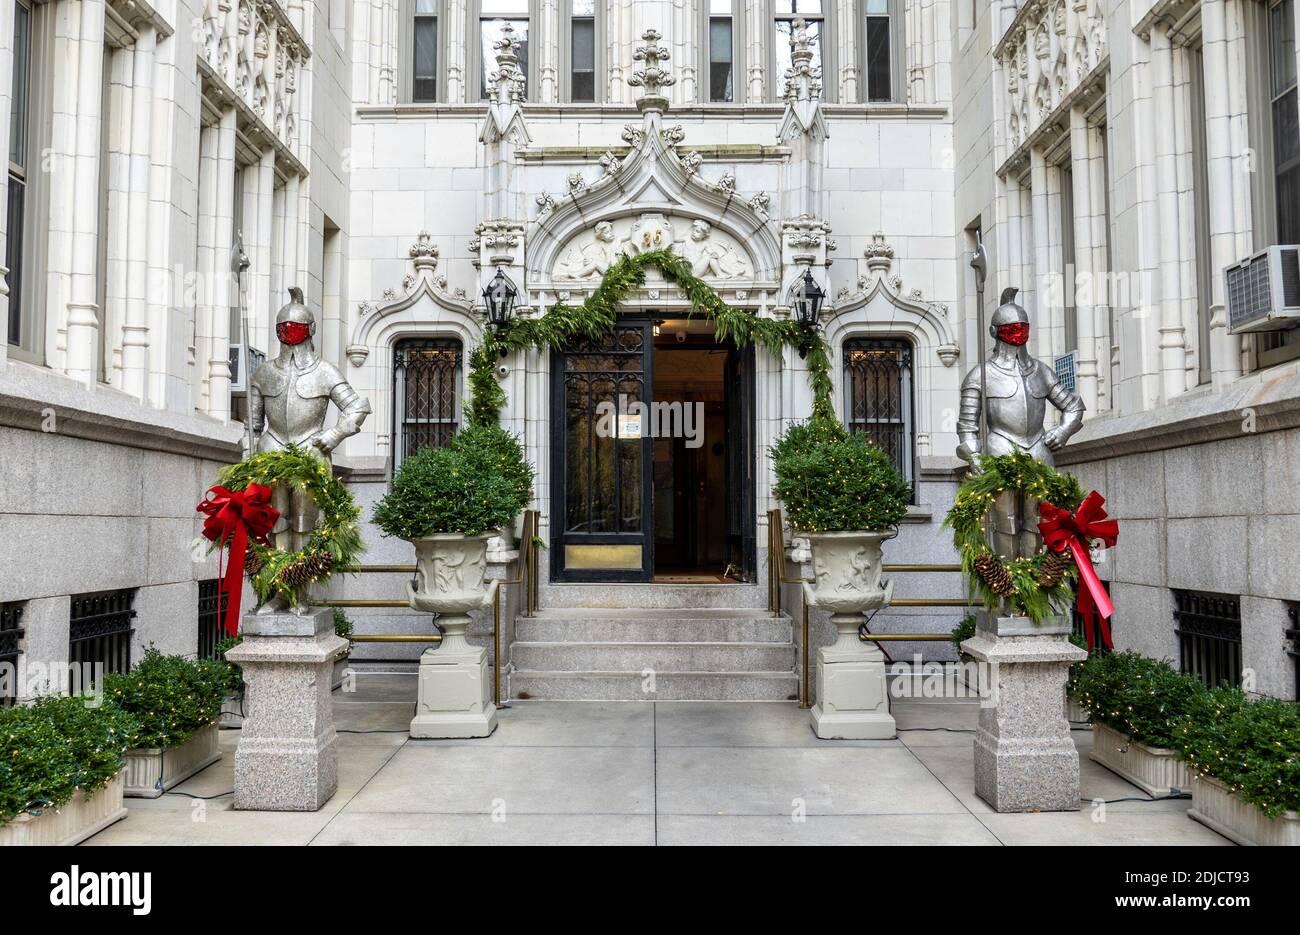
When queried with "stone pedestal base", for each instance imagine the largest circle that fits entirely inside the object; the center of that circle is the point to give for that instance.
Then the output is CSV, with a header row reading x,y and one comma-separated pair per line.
x,y
454,697
286,760
1025,758
852,696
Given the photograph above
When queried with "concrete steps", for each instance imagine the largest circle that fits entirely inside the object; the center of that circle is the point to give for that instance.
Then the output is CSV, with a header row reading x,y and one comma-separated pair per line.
x,y
653,596
668,686
587,624
672,653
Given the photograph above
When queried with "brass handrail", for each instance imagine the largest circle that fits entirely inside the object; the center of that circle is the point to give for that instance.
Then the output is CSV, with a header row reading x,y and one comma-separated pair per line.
x,y
776,577
528,577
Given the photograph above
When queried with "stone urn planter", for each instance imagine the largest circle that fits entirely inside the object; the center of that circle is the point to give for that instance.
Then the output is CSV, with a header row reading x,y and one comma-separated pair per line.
x,y
1157,771
454,695
151,771
1218,808
852,697
73,822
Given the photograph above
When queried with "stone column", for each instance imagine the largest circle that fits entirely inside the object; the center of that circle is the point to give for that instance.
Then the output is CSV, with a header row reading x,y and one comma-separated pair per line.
x,y
81,361
135,330
1173,379
1081,177
1025,758
6,104
221,278
287,758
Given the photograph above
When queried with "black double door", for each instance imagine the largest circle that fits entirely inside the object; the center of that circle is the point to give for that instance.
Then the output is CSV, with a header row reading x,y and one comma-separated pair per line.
x,y
604,452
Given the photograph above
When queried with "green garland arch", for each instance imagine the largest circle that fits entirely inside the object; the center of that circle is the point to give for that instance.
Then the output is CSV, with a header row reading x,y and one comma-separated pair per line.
x,y
596,316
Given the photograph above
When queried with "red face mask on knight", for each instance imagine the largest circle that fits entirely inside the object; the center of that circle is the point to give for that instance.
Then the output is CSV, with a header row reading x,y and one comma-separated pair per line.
x,y
1016,333
292,332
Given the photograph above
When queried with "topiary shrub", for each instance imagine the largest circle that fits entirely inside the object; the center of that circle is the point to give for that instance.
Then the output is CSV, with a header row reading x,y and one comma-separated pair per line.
x,y
1252,747
477,483
170,696
831,480
56,747
1143,698
235,675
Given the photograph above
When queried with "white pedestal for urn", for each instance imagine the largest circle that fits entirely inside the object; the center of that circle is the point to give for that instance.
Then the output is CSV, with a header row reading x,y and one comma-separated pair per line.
x,y
1025,758
852,692
454,694
287,758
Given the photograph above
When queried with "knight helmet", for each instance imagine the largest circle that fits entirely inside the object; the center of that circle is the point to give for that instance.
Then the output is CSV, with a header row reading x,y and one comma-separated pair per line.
x,y
293,316
1012,316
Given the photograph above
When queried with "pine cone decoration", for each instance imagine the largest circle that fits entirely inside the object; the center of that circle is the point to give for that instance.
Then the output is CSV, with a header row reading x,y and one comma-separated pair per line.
x,y
252,563
1053,569
306,570
995,575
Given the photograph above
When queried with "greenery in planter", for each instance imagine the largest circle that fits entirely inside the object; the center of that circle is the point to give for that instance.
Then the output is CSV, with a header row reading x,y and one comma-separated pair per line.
x,y
1072,678
235,674
170,696
1143,698
1252,747
57,746
964,630
832,480
343,626
478,483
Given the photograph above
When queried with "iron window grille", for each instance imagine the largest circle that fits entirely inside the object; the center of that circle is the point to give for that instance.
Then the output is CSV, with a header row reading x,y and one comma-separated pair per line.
x,y
878,382
11,635
212,608
426,394
99,630
1209,636
1078,629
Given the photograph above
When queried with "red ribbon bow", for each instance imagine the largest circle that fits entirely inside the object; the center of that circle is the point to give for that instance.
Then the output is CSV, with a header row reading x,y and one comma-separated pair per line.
x,y
1062,530
234,516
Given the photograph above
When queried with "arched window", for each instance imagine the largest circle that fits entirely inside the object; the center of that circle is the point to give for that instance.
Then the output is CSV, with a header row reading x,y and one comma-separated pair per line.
x,y
426,394
878,389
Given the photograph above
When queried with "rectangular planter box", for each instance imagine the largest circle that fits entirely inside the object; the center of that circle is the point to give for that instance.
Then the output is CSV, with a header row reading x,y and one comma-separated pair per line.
x,y
152,771
1217,808
77,820
1155,770
340,669
1075,713
232,712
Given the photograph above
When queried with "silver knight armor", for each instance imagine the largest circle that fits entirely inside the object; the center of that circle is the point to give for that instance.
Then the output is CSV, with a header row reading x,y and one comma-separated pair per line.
x,y
287,402
1017,389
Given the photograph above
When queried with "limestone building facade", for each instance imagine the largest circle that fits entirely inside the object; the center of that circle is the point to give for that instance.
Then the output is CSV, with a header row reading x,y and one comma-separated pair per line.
x,y
391,156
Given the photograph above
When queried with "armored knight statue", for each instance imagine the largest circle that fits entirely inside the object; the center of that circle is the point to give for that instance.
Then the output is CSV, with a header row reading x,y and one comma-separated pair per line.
x,y
288,399
1013,389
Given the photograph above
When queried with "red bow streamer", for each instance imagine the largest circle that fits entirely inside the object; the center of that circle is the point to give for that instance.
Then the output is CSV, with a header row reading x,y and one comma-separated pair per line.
x,y
234,516
1061,530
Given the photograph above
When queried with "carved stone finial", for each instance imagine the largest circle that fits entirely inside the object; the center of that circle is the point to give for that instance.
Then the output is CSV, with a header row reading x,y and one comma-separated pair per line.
x,y
507,80
424,252
879,253
803,80
653,76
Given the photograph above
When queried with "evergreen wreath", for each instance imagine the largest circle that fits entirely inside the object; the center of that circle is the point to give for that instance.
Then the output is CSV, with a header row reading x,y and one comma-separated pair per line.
x,y
1036,586
334,544
596,316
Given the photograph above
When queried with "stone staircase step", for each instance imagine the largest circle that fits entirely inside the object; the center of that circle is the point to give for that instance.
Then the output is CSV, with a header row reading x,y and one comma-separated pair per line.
x,y
669,686
653,596
568,656
590,624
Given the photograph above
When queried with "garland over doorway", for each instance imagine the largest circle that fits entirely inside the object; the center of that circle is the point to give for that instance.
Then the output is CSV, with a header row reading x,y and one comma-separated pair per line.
x,y
596,316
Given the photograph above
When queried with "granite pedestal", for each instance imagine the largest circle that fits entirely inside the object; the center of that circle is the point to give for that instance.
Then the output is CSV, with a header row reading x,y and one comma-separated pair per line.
x,y
454,691
287,758
1025,759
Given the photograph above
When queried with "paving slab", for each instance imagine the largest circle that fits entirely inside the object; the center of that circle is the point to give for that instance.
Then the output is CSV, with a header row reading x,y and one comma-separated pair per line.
x,y
387,828
850,830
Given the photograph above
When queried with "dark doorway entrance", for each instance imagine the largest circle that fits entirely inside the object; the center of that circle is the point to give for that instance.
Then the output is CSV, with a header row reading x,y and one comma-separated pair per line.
x,y
665,493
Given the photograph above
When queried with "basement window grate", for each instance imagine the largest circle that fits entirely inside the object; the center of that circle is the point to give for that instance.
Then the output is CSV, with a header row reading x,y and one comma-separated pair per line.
x,y
99,630
212,608
1209,636
11,635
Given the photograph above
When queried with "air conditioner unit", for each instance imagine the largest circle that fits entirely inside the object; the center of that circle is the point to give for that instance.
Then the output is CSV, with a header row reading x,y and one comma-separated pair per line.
x,y
238,384
1066,367
1263,290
